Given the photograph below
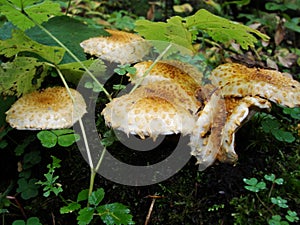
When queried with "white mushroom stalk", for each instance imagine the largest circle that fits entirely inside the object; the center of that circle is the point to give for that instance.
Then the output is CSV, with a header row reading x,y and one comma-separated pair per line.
x,y
51,108
171,99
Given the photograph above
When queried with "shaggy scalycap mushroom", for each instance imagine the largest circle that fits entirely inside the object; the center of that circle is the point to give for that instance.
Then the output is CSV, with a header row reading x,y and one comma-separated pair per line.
x,y
239,80
51,108
153,108
120,47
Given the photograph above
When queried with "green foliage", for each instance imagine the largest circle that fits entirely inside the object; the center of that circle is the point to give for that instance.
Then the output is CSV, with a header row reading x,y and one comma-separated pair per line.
x,y
123,69
183,31
51,185
20,42
122,20
63,137
114,213
21,76
265,207
27,188
67,30
29,221
254,185
270,125
21,13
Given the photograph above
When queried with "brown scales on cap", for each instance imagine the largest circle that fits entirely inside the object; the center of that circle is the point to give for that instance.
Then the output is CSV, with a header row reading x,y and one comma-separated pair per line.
x,y
51,108
239,80
120,47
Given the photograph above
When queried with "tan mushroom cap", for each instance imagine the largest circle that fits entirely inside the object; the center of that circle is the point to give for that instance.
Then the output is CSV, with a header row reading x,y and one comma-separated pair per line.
x,y
239,80
169,78
147,112
121,47
51,108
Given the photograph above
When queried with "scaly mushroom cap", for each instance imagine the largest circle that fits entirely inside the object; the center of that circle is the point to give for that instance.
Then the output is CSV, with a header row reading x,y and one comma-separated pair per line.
x,y
148,111
51,108
121,47
239,80
185,86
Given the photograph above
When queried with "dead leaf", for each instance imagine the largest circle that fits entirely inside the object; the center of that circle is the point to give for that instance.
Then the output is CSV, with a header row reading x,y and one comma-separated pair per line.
x,y
279,34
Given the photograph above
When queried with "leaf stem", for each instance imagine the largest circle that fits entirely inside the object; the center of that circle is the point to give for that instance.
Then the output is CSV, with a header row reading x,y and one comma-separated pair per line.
x,y
73,56
150,68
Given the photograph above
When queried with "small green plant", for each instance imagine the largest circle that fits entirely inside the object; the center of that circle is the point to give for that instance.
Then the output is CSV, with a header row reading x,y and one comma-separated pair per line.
x,y
51,185
63,137
269,208
110,214
29,221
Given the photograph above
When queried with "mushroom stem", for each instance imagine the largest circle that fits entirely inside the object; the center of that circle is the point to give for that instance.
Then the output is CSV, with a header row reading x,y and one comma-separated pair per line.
x,y
138,83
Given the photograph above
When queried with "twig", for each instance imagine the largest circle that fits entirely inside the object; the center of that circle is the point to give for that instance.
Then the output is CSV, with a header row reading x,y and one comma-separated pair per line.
x,y
18,204
154,197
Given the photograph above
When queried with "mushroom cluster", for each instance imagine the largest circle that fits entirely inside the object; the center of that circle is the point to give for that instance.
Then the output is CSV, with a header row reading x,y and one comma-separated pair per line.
x,y
171,99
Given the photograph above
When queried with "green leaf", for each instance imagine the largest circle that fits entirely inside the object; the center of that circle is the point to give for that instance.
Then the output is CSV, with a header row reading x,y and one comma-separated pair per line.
x,y
22,43
83,195
96,197
19,150
69,31
293,112
71,207
223,30
284,136
33,221
85,216
27,188
254,185
74,71
115,214
119,87
23,75
15,11
270,177
61,132
47,138
293,24
19,222
68,139
292,216
30,159
280,202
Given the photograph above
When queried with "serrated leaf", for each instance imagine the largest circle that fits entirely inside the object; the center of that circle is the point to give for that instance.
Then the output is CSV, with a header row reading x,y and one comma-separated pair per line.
x,y
73,206
23,75
67,140
115,214
47,138
223,30
85,216
15,11
96,197
19,42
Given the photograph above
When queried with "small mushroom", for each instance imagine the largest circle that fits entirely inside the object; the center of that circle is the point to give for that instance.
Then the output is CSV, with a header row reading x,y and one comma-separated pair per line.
x,y
239,80
120,47
51,108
